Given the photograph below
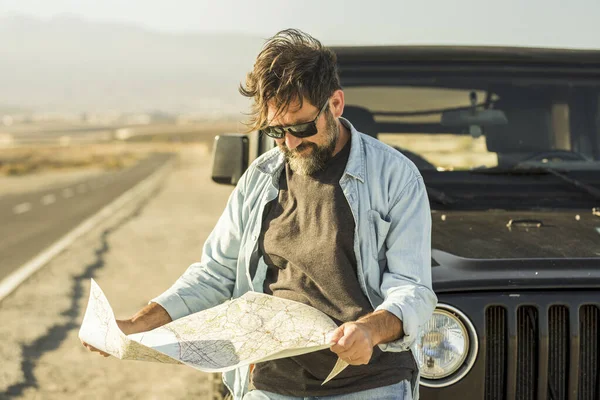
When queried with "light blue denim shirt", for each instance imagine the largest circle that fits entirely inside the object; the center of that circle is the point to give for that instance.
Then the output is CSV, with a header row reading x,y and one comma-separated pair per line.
x,y
392,242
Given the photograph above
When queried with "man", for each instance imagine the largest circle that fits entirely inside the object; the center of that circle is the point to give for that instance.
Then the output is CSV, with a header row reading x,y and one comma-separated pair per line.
x,y
331,218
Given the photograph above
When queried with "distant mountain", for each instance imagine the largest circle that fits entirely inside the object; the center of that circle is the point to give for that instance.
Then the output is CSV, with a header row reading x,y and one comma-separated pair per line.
x,y
69,64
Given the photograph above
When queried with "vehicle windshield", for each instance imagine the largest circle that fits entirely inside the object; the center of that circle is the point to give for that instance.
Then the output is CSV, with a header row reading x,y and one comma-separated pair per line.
x,y
452,130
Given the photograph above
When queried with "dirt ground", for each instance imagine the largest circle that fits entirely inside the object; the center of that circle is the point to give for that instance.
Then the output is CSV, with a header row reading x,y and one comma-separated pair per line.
x,y
134,256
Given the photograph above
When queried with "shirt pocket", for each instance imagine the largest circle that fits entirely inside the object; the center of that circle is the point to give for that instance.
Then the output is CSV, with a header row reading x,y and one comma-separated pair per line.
x,y
379,228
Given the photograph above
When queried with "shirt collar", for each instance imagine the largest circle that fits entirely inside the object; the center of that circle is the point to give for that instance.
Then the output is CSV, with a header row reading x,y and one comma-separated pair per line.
x,y
356,162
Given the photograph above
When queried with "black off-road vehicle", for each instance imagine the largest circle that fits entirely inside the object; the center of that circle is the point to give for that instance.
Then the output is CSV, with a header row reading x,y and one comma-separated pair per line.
x,y
508,143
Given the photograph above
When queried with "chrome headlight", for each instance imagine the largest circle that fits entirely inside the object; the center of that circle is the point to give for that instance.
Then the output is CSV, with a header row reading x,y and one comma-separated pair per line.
x,y
446,347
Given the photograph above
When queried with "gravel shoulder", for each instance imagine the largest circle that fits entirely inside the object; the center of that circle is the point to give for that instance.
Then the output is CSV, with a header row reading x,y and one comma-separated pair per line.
x,y
134,256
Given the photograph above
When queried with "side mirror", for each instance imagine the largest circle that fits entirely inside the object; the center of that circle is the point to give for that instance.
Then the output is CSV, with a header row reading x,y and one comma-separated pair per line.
x,y
230,158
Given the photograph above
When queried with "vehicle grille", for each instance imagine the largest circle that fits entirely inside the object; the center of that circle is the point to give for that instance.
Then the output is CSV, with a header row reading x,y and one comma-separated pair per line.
x,y
542,353
497,340
589,380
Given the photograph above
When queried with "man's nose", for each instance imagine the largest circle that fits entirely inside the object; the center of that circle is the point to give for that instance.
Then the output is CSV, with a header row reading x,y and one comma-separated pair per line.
x,y
292,141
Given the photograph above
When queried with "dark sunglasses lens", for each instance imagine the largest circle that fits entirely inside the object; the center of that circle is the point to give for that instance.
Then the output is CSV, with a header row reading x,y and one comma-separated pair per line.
x,y
303,130
300,131
273,132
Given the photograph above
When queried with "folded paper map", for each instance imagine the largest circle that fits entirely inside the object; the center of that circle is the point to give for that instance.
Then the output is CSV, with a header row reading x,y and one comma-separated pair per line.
x,y
251,329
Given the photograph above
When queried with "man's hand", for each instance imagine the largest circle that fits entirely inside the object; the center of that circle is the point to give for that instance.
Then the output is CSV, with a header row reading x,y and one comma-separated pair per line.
x,y
92,348
353,342
150,317
124,325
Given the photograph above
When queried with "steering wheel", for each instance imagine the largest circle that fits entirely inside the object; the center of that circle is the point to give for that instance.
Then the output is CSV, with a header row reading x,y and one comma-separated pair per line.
x,y
564,155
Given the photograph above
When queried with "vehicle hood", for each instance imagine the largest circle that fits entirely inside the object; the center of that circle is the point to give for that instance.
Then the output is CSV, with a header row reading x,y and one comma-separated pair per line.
x,y
551,250
532,234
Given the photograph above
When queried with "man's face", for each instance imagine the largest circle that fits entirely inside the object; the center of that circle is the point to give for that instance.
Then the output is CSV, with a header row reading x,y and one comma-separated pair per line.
x,y
306,155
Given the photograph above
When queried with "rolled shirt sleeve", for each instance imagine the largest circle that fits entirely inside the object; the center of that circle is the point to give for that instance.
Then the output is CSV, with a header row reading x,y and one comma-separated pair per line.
x,y
406,282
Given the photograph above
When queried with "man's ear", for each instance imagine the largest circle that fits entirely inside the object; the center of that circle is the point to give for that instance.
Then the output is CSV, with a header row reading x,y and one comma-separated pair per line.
x,y
336,104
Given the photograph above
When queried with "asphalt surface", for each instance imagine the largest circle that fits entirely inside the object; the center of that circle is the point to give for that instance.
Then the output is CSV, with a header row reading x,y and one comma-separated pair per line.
x,y
30,222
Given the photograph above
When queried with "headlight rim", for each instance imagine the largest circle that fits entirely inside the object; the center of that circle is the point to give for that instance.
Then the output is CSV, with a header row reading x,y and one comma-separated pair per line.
x,y
470,359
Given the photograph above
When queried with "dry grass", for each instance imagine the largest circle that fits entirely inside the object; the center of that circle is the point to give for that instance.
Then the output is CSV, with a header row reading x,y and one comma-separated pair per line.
x,y
22,161
135,143
109,156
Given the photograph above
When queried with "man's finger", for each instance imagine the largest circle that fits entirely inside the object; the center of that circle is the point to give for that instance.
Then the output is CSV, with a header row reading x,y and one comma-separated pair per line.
x,y
92,348
335,335
342,345
348,339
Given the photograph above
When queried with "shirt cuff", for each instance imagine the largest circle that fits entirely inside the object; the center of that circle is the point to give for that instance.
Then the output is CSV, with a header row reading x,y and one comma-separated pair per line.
x,y
173,304
405,341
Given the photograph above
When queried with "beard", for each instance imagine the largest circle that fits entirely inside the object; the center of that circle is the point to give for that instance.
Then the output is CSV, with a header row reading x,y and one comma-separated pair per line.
x,y
307,162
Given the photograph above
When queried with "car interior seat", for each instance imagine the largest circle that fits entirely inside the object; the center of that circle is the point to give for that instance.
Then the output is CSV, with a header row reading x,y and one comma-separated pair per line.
x,y
362,119
529,131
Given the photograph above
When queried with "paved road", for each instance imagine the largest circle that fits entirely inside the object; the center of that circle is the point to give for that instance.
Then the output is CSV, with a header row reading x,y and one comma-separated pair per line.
x,y
134,255
30,222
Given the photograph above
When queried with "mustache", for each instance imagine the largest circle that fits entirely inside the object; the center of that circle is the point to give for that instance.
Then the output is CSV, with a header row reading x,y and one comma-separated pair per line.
x,y
298,149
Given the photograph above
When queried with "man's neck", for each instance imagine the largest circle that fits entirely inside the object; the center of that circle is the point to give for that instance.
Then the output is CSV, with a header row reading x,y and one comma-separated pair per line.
x,y
343,137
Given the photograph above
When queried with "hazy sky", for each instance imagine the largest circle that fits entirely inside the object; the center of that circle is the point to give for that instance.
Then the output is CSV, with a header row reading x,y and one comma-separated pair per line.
x,y
507,22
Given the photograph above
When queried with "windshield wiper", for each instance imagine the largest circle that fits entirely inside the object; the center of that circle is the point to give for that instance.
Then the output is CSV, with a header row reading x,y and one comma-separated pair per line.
x,y
519,169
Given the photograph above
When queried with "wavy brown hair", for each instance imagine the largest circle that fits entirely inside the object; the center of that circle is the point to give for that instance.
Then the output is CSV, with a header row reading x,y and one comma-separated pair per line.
x,y
292,65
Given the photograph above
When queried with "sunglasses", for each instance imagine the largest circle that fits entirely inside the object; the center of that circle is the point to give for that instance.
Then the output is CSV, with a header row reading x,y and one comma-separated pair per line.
x,y
303,130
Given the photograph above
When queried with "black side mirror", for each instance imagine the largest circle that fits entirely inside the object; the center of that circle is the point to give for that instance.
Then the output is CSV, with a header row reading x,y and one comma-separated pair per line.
x,y
230,158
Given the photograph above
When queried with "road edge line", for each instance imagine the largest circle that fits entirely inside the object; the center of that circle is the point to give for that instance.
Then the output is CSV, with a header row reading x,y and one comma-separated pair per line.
x,y
25,271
